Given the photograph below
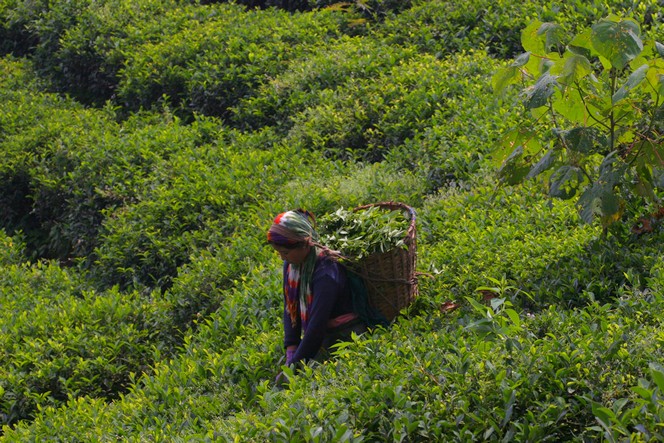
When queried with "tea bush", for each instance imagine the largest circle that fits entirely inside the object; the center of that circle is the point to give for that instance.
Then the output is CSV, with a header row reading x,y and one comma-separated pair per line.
x,y
441,28
214,376
210,64
370,117
65,165
195,200
61,339
538,254
329,66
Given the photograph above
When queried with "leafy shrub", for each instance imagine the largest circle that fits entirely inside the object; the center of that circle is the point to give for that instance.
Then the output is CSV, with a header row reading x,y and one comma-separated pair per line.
x,y
370,117
603,148
332,187
12,251
328,66
442,28
211,63
194,201
215,375
537,254
61,339
91,51
42,139
65,165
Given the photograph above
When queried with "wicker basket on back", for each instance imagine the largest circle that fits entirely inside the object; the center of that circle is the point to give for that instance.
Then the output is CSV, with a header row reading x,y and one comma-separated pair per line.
x,y
390,276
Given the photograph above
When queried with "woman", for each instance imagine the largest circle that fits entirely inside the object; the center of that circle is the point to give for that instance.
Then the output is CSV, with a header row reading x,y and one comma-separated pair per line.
x,y
318,303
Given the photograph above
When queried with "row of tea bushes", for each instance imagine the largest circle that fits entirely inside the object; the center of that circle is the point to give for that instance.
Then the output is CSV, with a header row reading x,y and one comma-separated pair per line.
x,y
62,339
211,63
216,373
64,165
368,118
485,373
534,251
495,26
134,53
195,57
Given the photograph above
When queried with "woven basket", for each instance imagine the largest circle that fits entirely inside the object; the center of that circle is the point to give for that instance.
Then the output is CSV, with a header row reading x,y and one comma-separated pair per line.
x,y
390,276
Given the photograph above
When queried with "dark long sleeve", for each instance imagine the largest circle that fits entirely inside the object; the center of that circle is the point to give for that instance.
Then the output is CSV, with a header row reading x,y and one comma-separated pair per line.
x,y
330,299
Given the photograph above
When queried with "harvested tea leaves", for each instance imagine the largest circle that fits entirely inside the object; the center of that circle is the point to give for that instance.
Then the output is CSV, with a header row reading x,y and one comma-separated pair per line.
x,y
358,234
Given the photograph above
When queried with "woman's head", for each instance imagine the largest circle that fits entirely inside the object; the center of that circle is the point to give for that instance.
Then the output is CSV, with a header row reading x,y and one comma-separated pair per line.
x,y
292,235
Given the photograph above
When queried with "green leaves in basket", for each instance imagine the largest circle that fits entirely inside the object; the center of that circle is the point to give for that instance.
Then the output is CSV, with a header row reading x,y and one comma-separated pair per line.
x,y
358,234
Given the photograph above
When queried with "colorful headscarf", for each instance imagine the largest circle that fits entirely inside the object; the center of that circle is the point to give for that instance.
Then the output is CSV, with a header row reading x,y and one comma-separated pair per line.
x,y
290,229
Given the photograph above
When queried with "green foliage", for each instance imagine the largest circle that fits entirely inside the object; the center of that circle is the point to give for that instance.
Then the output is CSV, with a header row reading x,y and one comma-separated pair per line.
x,y
230,61
61,339
161,319
602,92
329,66
358,234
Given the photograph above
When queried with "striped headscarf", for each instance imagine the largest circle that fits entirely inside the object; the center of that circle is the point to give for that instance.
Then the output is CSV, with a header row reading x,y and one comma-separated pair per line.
x,y
291,229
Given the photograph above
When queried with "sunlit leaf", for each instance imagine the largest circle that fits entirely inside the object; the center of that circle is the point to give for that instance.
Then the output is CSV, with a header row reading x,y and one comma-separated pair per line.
x,y
514,138
505,77
573,106
582,45
657,374
571,68
531,40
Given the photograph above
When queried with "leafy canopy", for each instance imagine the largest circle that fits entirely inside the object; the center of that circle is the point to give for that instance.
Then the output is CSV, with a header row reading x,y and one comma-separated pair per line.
x,y
596,102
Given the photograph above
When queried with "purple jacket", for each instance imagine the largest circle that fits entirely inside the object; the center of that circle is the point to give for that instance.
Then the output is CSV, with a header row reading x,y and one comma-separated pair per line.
x,y
331,298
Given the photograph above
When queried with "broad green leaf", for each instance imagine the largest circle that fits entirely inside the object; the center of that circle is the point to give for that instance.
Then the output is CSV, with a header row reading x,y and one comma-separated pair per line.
x,y
514,316
571,68
657,373
511,140
617,42
565,182
611,170
571,105
654,153
604,415
553,35
538,94
644,181
598,200
582,44
513,171
610,204
505,77
655,76
632,82
531,40
659,48
521,60
645,394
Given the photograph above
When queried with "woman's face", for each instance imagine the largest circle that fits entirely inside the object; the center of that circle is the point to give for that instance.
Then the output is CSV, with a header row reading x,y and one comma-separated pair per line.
x,y
293,256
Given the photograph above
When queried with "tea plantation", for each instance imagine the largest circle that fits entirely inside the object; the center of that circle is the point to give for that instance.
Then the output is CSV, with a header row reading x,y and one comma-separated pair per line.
x,y
145,147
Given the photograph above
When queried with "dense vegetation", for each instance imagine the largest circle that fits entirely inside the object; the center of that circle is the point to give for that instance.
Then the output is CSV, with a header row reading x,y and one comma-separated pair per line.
x,y
146,146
